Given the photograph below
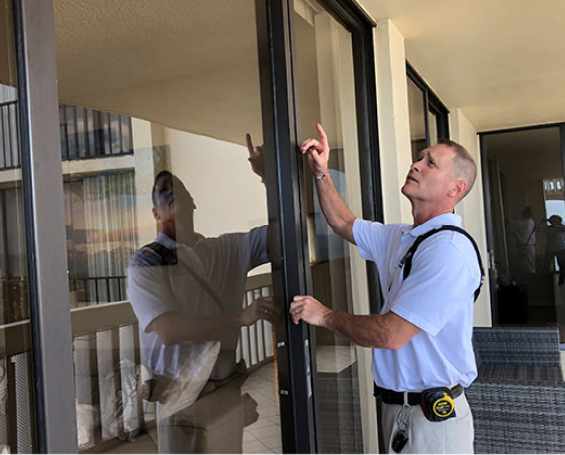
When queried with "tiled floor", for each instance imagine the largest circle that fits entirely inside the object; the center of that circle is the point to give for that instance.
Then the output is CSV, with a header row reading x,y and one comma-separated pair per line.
x,y
263,436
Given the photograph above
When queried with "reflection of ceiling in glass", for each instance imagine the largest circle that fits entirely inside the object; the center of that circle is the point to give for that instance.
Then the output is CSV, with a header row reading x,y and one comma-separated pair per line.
x,y
7,68
190,65
416,108
531,153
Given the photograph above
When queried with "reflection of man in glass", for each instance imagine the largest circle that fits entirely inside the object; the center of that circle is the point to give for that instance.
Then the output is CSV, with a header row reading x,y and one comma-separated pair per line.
x,y
555,245
523,232
187,291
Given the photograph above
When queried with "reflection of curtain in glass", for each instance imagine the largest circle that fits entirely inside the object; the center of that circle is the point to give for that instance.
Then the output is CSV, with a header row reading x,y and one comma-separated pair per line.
x,y
110,234
13,262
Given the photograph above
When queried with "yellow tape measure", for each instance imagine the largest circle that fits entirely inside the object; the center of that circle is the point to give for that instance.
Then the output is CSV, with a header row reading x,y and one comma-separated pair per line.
x,y
444,406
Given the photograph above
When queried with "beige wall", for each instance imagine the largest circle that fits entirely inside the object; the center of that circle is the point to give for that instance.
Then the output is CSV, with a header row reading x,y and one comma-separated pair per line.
x,y
472,208
229,197
394,127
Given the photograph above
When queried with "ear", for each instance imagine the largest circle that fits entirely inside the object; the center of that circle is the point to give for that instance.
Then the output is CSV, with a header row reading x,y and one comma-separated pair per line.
x,y
458,189
155,214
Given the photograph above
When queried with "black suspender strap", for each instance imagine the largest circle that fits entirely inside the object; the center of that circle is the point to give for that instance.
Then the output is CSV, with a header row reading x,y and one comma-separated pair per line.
x,y
406,261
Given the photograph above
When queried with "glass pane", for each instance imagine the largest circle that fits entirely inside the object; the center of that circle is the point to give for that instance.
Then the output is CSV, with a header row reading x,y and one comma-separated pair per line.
x,y
326,95
432,128
17,420
528,208
417,121
166,227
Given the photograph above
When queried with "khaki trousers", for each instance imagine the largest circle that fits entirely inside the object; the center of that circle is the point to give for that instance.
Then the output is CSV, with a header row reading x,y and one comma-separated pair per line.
x,y
455,435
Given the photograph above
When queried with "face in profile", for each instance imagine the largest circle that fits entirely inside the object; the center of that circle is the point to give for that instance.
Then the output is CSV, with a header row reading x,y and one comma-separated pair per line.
x,y
431,177
173,204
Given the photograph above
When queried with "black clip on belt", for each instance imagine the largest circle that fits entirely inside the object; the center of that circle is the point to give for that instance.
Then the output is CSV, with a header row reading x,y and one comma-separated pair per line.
x,y
414,398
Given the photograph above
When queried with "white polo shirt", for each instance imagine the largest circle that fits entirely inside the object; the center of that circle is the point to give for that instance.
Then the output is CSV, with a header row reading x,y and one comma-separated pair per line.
x,y
155,288
437,297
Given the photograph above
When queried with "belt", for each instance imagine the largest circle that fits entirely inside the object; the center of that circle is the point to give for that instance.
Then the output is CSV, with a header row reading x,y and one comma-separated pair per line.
x,y
413,399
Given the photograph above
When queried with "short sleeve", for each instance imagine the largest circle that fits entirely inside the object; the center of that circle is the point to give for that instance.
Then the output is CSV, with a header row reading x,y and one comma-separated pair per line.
x,y
258,247
367,236
441,283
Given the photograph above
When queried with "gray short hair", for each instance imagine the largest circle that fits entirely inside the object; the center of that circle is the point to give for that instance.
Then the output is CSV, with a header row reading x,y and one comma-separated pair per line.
x,y
464,166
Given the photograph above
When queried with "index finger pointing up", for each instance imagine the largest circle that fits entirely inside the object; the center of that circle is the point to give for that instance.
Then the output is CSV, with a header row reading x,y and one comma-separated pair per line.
x,y
249,144
322,133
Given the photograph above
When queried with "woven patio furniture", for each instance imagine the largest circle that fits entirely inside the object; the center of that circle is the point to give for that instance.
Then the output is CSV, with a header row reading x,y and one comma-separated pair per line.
x,y
518,399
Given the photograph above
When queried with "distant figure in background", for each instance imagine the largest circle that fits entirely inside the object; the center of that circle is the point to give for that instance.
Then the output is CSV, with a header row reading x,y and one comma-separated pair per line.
x,y
555,246
523,232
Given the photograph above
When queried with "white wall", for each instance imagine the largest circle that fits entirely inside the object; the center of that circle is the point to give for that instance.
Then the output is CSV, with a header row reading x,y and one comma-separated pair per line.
x,y
229,197
472,208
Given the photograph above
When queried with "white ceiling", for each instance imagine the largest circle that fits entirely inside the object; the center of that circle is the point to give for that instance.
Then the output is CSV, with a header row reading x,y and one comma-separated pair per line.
x,y
501,61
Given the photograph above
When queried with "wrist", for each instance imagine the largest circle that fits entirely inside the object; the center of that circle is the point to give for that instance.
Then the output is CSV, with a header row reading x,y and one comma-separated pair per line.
x,y
325,318
322,175
240,318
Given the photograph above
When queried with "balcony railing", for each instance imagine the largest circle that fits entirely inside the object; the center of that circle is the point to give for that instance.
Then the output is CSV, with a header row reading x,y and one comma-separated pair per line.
x,y
88,133
93,290
85,133
107,368
10,144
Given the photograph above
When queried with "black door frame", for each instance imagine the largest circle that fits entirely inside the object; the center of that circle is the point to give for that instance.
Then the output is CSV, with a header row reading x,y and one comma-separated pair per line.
x,y
487,196
431,103
286,195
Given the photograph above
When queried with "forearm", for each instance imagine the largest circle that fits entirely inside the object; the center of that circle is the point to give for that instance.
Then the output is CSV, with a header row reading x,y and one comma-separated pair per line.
x,y
174,328
336,211
386,331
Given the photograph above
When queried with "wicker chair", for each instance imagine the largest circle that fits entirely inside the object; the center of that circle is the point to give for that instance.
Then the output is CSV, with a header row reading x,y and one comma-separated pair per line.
x,y
518,399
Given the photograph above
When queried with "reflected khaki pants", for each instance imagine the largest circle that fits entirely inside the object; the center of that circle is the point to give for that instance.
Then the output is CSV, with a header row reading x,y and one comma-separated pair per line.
x,y
455,435
213,424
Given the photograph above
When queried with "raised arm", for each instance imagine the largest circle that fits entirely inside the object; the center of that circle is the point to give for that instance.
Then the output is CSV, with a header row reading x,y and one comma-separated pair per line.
x,y
337,214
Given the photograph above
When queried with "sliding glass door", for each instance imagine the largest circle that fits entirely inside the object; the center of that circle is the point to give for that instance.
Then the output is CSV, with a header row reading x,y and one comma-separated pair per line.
x,y
169,223
345,411
525,210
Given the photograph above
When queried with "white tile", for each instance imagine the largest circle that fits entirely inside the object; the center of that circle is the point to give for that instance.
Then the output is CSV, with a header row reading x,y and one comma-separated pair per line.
x,y
254,447
273,442
269,412
261,423
265,433
276,420
248,437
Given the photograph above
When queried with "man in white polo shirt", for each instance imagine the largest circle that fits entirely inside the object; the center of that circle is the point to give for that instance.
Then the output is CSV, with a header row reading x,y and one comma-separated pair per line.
x,y
422,339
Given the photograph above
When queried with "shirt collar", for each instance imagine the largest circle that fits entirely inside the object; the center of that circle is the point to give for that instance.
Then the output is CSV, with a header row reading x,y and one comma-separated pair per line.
x,y
440,220
166,241
170,243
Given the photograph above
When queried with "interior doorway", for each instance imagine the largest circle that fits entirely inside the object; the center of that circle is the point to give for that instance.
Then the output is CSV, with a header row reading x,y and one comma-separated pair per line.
x,y
525,213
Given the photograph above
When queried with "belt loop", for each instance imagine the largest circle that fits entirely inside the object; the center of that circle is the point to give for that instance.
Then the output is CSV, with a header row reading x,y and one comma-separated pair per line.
x,y
405,394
